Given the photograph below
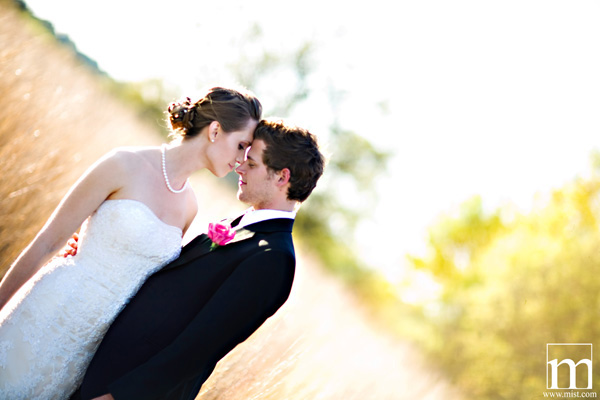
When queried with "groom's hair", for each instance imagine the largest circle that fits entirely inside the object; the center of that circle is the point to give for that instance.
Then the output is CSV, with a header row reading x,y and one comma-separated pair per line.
x,y
293,148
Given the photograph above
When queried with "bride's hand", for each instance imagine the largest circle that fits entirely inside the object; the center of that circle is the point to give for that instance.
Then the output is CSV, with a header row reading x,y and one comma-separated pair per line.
x,y
70,248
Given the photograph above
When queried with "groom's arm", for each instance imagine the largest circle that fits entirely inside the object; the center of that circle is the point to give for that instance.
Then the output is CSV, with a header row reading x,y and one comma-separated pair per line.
x,y
254,292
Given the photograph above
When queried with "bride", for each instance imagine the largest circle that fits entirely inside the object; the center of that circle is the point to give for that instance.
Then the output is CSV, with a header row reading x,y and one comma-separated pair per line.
x,y
135,205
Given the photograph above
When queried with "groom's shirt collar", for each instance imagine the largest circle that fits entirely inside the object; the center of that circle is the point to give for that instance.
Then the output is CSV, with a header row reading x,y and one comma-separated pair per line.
x,y
253,216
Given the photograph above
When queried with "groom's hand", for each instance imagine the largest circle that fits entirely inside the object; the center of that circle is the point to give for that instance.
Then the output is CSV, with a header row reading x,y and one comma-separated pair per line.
x,y
105,397
70,248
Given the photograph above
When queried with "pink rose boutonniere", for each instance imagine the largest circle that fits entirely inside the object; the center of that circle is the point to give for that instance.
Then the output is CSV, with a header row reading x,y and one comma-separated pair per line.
x,y
220,235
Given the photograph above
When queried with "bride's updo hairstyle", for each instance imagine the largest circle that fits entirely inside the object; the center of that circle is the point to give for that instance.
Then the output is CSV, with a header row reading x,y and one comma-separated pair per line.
x,y
230,108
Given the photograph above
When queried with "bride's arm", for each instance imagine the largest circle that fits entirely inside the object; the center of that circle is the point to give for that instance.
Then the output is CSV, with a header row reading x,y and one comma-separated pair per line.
x,y
100,181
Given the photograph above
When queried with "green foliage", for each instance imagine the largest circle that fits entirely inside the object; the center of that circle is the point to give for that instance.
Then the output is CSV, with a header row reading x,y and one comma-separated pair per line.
x,y
280,77
456,240
512,287
64,40
328,220
149,98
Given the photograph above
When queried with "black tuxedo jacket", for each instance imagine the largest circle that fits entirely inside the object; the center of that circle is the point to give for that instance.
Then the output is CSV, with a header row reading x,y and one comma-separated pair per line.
x,y
186,317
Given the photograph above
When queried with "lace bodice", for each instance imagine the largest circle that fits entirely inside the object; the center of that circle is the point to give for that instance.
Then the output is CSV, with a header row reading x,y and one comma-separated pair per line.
x,y
126,233
51,328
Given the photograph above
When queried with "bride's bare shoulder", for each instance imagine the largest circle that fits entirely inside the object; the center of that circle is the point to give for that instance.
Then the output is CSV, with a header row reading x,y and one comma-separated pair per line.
x,y
132,155
132,151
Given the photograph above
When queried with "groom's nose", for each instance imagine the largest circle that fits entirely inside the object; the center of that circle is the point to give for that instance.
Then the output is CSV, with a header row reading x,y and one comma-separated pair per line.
x,y
239,169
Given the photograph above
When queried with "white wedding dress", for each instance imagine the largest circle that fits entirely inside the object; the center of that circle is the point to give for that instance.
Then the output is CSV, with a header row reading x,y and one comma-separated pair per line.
x,y
51,328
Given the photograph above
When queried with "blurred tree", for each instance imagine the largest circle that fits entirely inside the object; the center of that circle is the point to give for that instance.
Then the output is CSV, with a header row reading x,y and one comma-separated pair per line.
x,y
511,287
328,218
149,98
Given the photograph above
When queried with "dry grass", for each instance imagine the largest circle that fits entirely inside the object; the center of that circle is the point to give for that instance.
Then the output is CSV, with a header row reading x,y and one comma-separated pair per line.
x,y
55,120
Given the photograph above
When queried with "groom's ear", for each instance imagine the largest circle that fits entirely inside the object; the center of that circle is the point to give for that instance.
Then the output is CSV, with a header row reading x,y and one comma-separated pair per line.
x,y
283,177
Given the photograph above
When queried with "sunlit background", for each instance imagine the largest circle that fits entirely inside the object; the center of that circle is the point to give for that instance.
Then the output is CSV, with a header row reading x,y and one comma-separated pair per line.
x,y
498,99
469,183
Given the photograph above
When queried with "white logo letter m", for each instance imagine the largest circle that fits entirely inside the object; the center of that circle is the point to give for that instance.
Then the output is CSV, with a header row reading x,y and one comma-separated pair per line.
x,y
572,373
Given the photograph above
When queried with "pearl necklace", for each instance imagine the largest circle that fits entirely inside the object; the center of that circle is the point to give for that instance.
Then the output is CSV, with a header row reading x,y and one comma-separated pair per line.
x,y
164,170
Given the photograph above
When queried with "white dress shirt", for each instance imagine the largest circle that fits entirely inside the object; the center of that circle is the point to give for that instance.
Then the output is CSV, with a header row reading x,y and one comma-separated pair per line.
x,y
253,216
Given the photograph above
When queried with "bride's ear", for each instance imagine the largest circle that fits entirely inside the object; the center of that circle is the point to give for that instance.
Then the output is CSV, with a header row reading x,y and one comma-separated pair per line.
x,y
213,130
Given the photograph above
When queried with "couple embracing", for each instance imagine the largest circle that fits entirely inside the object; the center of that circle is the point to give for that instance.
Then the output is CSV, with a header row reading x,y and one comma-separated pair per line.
x,y
133,315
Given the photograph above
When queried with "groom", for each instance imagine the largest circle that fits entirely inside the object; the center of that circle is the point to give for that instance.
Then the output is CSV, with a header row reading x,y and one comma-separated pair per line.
x,y
185,318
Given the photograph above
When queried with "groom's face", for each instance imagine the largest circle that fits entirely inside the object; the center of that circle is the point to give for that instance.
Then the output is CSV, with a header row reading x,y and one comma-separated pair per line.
x,y
257,185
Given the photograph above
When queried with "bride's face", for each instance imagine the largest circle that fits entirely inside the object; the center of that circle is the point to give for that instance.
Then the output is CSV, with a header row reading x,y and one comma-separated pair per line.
x,y
228,149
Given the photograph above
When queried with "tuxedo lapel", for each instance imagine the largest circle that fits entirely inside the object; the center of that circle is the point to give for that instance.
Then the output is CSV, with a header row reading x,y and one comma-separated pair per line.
x,y
194,249
201,245
241,234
